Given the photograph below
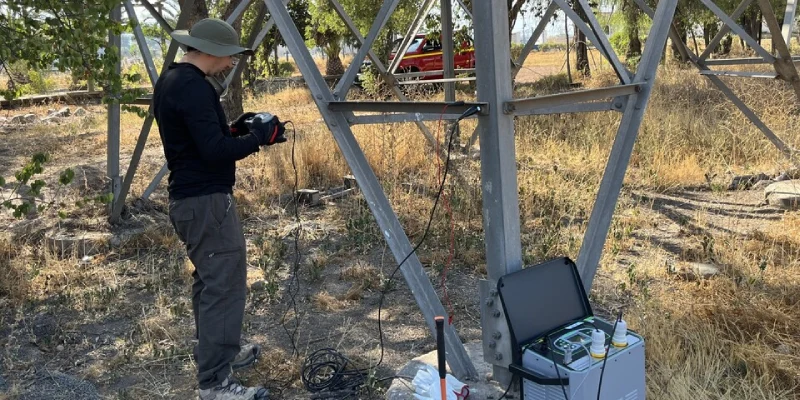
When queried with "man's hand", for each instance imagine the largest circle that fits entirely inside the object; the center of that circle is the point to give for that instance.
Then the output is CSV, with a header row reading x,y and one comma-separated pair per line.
x,y
239,127
267,128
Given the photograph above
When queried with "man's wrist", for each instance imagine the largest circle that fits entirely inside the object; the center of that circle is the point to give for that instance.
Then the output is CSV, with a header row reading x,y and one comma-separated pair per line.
x,y
252,136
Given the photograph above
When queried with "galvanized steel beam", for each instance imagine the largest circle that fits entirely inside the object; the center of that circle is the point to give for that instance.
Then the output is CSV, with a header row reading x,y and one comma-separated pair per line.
x,y
390,226
724,30
499,188
525,105
117,207
406,106
113,141
596,233
340,92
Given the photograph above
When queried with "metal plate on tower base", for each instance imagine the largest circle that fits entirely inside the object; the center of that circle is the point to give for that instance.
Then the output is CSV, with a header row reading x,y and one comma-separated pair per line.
x,y
496,336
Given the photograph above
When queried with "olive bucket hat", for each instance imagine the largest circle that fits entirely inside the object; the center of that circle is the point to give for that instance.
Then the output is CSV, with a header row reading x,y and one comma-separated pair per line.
x,y
212,36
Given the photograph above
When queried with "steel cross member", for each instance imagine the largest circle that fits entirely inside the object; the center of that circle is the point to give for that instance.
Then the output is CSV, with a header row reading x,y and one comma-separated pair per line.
x,y
595,236
390,226
702,66
119,201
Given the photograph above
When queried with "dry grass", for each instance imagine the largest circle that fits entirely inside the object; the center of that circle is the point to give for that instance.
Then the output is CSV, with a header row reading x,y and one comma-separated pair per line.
x,y
15,284
325,302
730,337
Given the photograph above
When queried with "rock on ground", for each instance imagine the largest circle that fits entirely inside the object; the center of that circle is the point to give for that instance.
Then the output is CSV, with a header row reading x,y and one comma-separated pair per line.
x,y
402,389
64,112
57,386
51,119
693,271
44,326
65,244
785,194
761,185
745,182
788,175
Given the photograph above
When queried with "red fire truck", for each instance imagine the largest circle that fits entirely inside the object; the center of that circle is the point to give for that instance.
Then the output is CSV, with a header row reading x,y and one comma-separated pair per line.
x,y
425,54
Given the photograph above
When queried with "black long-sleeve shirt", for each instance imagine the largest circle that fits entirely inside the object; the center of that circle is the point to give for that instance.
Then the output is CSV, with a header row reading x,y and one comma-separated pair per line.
x,y
201,153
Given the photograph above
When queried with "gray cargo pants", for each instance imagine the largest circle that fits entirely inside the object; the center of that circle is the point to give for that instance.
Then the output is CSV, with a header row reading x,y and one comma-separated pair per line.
x,y
212,232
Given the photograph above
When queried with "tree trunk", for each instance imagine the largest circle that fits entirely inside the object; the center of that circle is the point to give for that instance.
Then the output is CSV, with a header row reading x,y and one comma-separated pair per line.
x,y
581,49
681,27
632,16
725,45
276,62
268,47
198,11
709,31
333,63
751,23
232,103
566,35
514,8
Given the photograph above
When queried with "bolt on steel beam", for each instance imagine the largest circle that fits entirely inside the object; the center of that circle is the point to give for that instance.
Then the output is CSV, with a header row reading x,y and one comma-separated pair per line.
x,y
499,188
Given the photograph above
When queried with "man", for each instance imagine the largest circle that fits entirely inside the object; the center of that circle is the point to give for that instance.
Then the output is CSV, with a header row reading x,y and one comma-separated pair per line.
x,y
201,151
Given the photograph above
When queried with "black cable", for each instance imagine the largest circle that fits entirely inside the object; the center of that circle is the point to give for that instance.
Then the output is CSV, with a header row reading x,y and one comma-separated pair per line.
x,y
507,389
603,370
327,374
467,113
294,283
553,357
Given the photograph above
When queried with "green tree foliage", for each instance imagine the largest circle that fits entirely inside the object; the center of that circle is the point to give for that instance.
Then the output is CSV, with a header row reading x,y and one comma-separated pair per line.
x,y
327,30
67,35
267,60
27,198
516,8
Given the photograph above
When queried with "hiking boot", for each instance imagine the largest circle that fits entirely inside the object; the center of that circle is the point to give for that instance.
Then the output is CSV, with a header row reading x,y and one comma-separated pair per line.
x,y
231,390
246,357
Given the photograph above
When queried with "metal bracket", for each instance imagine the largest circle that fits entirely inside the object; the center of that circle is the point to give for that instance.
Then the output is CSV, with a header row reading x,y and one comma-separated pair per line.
x,y
496,336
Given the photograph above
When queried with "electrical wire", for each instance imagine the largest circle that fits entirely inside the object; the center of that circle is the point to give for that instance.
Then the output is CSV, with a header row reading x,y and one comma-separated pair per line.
x,y
469,112
608,348
507,389
294,282
558,374
325,372
449,212
329,375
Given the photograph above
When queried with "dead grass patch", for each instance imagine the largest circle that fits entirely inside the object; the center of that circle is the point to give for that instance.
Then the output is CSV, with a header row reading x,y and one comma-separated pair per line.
x,y
15,284
362,273
324,301
730,337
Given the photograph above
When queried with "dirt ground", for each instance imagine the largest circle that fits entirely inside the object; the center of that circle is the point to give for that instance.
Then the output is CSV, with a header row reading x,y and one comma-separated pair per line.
x,y
134,296
121,318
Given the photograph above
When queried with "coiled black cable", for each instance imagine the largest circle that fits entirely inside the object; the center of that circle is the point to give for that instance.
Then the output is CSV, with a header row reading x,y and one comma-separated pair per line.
x,y
327,374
